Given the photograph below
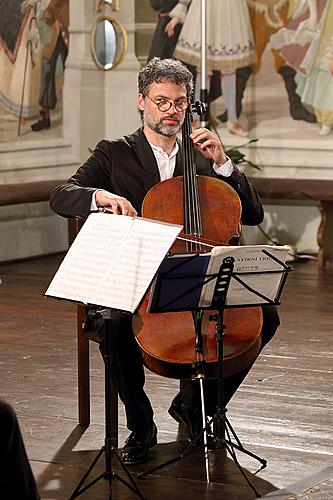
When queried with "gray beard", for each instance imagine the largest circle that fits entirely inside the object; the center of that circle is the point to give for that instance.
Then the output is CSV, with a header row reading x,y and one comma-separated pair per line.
x,y
159,128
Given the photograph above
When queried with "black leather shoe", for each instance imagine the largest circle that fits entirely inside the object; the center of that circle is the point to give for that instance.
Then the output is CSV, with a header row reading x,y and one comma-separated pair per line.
x,y
43,122
299,112
223,117
136,448
186,415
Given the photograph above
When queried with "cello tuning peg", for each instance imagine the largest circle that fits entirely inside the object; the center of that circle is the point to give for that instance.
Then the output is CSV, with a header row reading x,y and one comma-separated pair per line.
x,y
199,107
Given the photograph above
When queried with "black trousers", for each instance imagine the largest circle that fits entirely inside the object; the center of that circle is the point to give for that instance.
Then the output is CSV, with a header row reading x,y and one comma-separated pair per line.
x,y
48,95
127,368
16,478
162,45
128,373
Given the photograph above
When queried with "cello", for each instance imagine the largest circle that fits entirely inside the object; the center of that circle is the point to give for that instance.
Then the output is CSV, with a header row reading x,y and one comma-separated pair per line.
x,y
210,212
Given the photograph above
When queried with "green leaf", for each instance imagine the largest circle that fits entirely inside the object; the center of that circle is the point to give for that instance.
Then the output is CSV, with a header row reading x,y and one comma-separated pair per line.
x,y
237,157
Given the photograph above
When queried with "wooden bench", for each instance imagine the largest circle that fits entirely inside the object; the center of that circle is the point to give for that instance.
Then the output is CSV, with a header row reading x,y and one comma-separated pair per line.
x,y
27,192
317,190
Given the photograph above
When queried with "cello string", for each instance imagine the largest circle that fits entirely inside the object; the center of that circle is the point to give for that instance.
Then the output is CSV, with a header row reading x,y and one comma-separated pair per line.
x,y
196,210
195,205
188,193
198,242
190,181
187,201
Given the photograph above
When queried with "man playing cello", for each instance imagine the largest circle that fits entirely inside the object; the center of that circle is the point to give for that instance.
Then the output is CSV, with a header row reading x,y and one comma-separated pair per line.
x,y
116,178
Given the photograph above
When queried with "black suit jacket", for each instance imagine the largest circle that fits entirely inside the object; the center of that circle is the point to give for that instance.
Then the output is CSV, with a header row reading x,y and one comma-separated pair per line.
x,y
127,167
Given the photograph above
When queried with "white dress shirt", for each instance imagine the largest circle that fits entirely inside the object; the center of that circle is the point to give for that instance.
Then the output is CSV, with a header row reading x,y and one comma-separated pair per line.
x,y
166,164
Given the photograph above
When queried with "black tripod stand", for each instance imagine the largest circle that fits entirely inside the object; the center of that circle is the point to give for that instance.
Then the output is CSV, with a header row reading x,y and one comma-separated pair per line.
x,y
223,431
108,449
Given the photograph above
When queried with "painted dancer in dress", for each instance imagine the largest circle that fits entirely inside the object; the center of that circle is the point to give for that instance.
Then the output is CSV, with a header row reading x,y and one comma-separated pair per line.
x,y
306,44
229,44
267,17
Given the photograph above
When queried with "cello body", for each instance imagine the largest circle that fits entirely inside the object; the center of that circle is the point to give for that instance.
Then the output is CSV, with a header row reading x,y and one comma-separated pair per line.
x,y
210,211
167,341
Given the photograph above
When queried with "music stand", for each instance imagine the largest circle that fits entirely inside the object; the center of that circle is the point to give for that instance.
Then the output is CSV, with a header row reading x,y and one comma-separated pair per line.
x,y
107,449
84,276
189,274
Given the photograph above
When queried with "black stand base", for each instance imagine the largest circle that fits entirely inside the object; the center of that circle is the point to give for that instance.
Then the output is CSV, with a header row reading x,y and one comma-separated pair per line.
x,y
109,475
215,442
108,449
224,440
222,429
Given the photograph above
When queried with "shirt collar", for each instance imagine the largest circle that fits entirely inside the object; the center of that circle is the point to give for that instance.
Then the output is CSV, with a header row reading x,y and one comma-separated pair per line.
x,y
161,150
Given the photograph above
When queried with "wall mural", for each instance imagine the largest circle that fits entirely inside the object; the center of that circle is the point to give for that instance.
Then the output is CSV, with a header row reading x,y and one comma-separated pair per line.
x,y
275,73
284,93
33,49
306,44
297,38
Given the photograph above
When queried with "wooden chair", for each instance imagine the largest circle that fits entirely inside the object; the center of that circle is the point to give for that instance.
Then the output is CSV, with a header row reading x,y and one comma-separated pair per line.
x,y
84,362
84,365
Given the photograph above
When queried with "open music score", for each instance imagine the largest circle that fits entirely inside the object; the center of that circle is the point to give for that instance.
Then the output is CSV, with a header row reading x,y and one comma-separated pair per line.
x,y
257,268
112,261
187,282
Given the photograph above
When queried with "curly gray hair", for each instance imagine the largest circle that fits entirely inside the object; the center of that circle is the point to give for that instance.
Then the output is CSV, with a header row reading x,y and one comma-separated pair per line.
x,y
158,70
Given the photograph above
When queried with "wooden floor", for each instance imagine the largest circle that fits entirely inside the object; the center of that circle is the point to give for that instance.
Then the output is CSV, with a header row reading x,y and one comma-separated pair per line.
x,y
283,411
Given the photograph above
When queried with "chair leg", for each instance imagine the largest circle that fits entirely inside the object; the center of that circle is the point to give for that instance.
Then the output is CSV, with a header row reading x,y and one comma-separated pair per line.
x,y
83,370
84,380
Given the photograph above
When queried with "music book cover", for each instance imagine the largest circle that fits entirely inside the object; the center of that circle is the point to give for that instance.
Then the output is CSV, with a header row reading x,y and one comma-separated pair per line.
x,y
178,285
112,261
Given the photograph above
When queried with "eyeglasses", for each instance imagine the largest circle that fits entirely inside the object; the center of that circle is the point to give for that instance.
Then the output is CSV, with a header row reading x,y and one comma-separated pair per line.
x,y
165,105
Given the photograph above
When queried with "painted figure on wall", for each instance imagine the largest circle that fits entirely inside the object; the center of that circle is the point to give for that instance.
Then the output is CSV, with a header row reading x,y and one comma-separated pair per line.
x,y
31,33
230,45
306,44
16,51
53,27
172,25
163,44
267,17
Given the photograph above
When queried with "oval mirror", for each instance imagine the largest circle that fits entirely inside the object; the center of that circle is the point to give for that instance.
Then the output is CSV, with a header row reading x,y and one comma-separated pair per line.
x,y
108,42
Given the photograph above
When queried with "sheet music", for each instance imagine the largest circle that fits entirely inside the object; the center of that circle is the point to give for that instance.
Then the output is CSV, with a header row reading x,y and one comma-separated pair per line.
x,y
248,259
113,260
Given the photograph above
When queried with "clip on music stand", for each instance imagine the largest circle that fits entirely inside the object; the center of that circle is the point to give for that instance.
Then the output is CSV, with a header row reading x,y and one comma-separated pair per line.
x,y
108,449
164,299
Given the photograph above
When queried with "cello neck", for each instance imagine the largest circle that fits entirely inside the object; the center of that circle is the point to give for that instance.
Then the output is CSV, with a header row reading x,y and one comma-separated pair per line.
x,y
192,211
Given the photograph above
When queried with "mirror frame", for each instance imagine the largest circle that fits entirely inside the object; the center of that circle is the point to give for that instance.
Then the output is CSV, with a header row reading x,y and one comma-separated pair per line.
x,y
119,30
114,4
